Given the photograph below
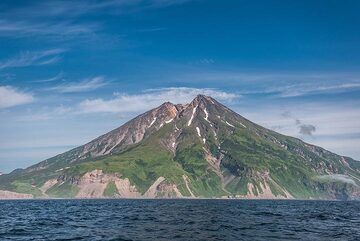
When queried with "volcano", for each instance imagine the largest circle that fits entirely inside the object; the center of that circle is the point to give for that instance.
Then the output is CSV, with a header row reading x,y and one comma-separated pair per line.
x,y
197,150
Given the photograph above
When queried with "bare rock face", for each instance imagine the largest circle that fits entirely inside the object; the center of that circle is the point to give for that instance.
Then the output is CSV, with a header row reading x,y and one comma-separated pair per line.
x,y
148,123
14,195
93,184
131,132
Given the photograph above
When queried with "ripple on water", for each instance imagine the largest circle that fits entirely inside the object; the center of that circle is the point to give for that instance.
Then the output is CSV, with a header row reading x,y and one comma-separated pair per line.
x,y
179,220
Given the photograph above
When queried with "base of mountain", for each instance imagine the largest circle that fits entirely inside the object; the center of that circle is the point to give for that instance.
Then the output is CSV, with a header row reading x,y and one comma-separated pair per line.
x,y
98,185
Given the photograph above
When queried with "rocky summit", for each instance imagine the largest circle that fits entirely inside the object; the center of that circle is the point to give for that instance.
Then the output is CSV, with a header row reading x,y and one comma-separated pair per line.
x,y
197,150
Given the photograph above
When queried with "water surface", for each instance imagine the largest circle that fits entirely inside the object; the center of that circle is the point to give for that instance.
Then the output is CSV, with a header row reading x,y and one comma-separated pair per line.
x,y
178,220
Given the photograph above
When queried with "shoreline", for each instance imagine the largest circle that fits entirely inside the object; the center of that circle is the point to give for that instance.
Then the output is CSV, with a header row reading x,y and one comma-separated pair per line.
x,y
170,199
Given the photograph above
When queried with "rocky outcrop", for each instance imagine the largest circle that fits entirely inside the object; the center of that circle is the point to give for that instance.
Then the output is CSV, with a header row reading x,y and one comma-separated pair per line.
x,y
47,185
264,192
125,189
14,195
93,184
131,132
161,189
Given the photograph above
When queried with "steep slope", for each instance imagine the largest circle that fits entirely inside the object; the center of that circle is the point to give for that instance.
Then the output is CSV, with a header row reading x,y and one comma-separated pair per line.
x,y
201,149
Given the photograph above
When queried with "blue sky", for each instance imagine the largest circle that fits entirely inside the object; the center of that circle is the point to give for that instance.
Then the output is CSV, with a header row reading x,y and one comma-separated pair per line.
x,y
72,70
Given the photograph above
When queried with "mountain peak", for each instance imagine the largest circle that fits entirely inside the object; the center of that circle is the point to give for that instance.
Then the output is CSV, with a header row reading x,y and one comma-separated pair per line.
x,y
206,100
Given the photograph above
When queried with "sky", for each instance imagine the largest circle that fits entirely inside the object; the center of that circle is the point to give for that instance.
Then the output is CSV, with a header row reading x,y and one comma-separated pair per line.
x,y
73,70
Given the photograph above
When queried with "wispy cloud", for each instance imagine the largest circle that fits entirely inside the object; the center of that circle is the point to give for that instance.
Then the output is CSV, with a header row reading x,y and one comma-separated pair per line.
x,y
61,18
18,29
9,97
150,30
277,84
33,58
78,8
204,61
59,76
81,86
314,88
125,103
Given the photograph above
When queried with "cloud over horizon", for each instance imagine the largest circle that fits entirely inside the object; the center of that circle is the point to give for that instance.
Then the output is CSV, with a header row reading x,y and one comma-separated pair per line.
x,y
123,103
10,96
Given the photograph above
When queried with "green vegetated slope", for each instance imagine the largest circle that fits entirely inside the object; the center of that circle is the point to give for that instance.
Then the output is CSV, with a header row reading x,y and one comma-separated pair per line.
x,y
219,152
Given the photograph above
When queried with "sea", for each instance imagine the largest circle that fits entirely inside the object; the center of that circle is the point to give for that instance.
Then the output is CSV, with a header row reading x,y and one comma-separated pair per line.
x,y
179,219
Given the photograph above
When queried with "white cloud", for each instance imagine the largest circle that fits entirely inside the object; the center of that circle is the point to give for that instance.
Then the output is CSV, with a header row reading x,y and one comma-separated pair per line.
x,y
337,178
33,58
337,124
10,97
81,86
125,103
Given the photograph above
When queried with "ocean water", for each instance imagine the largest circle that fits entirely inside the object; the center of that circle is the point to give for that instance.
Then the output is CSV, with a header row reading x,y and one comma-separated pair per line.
x,y
179,220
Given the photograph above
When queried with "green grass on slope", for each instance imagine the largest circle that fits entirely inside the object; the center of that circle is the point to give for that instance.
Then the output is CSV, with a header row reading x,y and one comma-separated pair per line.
x,y
238,185
190,155
142,164
111,190
63,190
247,154
207,185
22,187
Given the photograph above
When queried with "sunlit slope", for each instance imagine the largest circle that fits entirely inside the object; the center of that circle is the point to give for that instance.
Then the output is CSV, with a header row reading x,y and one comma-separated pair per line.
x,y
201,149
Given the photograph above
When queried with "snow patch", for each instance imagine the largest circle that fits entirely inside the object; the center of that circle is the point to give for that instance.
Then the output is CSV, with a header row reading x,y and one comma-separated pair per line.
x,y
173,144
198,131
206,115
192,116
242,124
229,124
61,169
169,121
204,140
153,121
